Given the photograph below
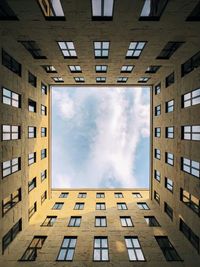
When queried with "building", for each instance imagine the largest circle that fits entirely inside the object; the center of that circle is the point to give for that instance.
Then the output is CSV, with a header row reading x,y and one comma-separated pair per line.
x,y
99,43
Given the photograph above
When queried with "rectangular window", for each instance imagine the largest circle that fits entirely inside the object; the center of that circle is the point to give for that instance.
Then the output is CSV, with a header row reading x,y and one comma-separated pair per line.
x,y
100,79
151,221
43,197
195,14
10,63
100,206
67,249
127,68
32,184
157,153
190,235
191,132
126,221
58,206
64,195
135,49
6,13
167,248
32,251
82,195
143,79
158,89
101,49
169,106
32,210
32,79
10,132
49,68
101,68
190,99
134,248
168,210
169,79
100,249
31,105
169,158
100,195
11,234
43,131
100,221
31,132
79,206
11,98
191,64
169,132
121,206
190,166
43,110
10,201
158,110
152,69
169,49
75,221
119,195
33,48
58,79
157,197
43,175
75,68
52,10
122,79
102,9
157,132
49,221
43,89
169,184
152,10
67,49
31,158
157,175
43,153
136,195
191,201
142,206
11,166
79,79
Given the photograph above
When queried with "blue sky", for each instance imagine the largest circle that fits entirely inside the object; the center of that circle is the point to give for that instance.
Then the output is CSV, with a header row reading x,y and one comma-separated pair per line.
x,y
100,137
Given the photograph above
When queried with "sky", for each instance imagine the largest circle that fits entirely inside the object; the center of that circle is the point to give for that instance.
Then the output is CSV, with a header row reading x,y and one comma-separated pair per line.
x,y
100,137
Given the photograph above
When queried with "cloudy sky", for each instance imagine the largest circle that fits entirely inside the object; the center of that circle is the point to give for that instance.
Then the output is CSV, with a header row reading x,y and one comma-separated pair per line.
x,y
100,137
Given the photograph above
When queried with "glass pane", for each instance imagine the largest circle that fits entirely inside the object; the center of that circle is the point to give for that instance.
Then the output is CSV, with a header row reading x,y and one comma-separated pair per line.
x,y
96,7
70,45
108,7
96,254
97,243
72,243
97,45
65,243
6,172
131,254
70,254
136,243
62,45
61,255
132,45
139,254
136,53
6,100
104,254
6,136
128,243
6,92
66,53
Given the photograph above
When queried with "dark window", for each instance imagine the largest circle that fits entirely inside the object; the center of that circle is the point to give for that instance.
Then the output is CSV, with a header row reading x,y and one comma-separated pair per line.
x,y
190,99
33,48
195,14
43,175
52,10
157,175
122,79
133,246
157,89
64,195
190,166
67,49
58,205
191,132
169,49
168,210
152,10
32,210
10,201
32,184
49,221
169,132
31,158
10,63
102,9
43,89
67,249
75,221
152,69
43,153
11,166
158,110
135,49
31,105
43,197
49,68
32,79
169,80
6,13
82,195
101,49
100,221
11,98
169,184
101,249
190,235
191,201
151,221
126,221
142,206
191,64
157,197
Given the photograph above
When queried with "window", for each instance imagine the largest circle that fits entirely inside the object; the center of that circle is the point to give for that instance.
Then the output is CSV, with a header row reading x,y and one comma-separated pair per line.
x,y
101,68
157,197
10,201
169,158
11,166
58,206
134,248
11,234
32,251
32,79
191,201
190,166
100,221
43,89
43,197
32,184
10,132
67,49
122,79
195,14
121,206
43,131
152,10
100,249
168,210
158,110
75,221
101,49
169,132
157,154
151,221
10,63
49,68
157,89
43,110
31,105
52,10
64,195
100,79
11,98
67,249
31,132
6,13
142,206
100,206
119,195
191,64
127,68
43,153
157,132
167,248
152,69
102,9
190,235
126,221
169,49
190,99
58,79
143,79
79,206
31,158
75,68
157,175
43,175
136,195
169,106
100,195
135,49
169,79
82,195
169,184
32,210
49,221
33,48
79,79
191,132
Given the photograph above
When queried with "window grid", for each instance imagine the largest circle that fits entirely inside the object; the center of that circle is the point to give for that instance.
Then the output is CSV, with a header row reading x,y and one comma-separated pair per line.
x,y
169,131
152,69
190,201
158,110
100,195
100,79
136,195
135,49
143,79
64,195
43,131
142,206
43,153
191,132
122,79
169,49
152,11
31,158
75,68
75,221
100,206
118,195
10,132
133,246
100,221
58,206
169,158
49,221
101,68
58,79
10,63
32,210
101,49
49,68
169,184
79,206
157,153
32,184
190,166
82,195
10,201
43,110
31,105
157,197
127,68
11,166
43,175
122,206
43,89
11,98
67,49
102,9
169,79
157,132
157,175
190,99
79,79
158,89
190,65
67,249
32,79
101,249
126,221
31,132
151,221
169,106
